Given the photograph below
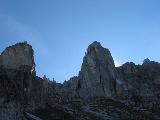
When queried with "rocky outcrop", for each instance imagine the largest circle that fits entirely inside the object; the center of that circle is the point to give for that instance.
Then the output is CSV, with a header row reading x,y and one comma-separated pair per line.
x,y
135,88
20,89
100,78
97,77
70,87
138,80
126,78
100,91
18,56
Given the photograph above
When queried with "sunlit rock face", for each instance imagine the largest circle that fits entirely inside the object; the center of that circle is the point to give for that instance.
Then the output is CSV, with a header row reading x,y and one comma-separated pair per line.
x,y
96,78
20,89
18,56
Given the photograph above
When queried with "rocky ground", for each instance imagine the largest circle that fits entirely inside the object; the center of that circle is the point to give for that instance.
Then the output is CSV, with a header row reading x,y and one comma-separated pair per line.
x,y
101,109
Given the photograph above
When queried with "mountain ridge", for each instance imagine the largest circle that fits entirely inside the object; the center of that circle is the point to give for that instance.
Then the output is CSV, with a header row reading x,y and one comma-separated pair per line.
x,y
99,83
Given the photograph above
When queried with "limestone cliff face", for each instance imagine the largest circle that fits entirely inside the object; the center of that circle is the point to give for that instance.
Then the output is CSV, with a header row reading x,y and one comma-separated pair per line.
x,y
139,80
20,89
97,77
126,78
100,78
70,87
18,56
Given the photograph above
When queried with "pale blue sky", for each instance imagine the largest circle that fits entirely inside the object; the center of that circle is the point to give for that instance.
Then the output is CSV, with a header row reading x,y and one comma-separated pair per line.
x,y
61,30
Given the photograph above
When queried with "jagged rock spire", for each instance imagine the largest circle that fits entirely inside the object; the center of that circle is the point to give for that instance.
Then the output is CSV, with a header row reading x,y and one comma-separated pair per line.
x,y
97,72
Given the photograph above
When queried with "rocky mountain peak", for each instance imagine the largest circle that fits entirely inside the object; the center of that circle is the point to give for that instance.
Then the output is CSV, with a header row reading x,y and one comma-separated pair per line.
x,y
97,72
101,91
146,61
99,53
18,56
93,46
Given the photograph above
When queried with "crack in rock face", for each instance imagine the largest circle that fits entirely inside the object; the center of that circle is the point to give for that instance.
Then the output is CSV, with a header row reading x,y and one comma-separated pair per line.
x,y
97,73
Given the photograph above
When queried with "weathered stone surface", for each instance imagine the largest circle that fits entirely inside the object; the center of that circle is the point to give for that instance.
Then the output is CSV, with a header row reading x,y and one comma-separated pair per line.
x,y
11,111
18,56
20,89
70,88
23,88
97,77
100,78
126,92
140,80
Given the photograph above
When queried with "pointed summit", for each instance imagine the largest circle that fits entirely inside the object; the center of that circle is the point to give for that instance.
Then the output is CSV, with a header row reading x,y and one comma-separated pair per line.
x,y
146,61
96,51
93,46
97,72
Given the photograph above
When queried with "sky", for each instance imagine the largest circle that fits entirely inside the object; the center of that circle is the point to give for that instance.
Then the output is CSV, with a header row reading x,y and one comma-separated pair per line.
x,y
61,30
